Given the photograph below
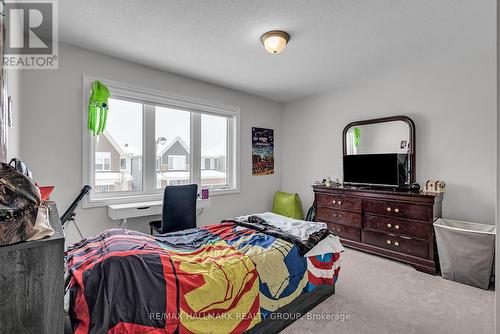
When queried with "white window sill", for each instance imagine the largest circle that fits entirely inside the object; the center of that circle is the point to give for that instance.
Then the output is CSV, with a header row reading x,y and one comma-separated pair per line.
x,y
145,198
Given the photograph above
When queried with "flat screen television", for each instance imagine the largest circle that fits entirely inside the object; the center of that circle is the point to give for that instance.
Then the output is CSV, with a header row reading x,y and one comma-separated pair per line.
x,y
387,169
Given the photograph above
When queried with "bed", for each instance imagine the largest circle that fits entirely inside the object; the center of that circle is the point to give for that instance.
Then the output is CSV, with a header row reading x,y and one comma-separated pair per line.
x,y
252,274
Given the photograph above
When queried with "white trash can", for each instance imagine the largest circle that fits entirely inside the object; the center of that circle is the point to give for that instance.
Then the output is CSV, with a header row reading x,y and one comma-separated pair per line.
x,y
466,251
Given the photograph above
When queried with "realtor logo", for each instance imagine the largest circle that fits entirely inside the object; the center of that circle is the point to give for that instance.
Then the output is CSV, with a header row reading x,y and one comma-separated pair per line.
x,y
30,34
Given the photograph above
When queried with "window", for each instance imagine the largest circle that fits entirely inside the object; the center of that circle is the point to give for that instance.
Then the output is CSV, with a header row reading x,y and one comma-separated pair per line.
x,y
214,151
123,164
177,162
121,140
102,161
173,138
153,139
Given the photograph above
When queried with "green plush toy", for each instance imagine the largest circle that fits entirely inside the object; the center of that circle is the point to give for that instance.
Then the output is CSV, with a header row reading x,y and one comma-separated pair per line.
x,y
98,108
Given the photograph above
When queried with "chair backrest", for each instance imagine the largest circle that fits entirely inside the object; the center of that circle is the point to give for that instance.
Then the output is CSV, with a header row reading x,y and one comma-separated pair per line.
x,y
288,205
179,208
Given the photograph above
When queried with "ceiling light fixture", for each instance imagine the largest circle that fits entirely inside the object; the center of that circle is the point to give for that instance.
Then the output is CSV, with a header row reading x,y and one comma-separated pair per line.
x,y
275,41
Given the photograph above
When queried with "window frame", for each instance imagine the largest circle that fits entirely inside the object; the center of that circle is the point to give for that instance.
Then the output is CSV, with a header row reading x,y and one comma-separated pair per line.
x,y
150,98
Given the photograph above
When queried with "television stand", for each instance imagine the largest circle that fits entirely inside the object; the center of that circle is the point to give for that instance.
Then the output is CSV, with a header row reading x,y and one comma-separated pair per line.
x,y
393,224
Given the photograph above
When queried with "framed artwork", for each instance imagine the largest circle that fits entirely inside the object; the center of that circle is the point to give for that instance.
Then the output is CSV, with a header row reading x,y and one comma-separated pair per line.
x,y
262,151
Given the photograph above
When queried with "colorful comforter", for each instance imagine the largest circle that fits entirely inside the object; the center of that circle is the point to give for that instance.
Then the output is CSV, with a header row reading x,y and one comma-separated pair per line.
x,y
222,278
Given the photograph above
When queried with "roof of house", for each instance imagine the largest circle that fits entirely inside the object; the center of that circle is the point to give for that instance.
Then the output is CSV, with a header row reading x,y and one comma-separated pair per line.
x,y
161,149
123,148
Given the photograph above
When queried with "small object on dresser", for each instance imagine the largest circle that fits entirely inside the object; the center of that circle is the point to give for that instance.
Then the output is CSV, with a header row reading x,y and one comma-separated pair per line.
x,y
204,193
435,186
415,187
328,182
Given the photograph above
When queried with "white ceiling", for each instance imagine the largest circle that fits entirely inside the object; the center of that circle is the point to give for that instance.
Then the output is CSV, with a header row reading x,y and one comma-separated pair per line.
x,y
333,42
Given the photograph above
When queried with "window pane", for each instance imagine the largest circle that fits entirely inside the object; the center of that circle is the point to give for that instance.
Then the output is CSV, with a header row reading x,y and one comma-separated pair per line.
x,y
213,150
172,134
118,150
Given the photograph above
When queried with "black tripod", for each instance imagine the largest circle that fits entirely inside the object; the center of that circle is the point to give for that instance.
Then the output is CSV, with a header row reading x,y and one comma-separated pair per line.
x,y
69,215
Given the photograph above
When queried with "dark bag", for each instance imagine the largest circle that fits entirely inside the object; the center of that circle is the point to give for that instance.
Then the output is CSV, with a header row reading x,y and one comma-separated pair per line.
x,y
311,214
19,203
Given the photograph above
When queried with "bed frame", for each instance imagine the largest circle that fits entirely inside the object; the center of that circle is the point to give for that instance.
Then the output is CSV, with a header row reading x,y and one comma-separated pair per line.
x,y
275,323
301,305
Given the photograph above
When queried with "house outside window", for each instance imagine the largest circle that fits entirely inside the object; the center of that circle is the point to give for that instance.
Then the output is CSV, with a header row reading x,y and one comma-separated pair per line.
x,y
147,146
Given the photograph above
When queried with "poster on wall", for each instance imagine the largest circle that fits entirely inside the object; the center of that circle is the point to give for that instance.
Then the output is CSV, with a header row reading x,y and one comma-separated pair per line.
x,y
262,151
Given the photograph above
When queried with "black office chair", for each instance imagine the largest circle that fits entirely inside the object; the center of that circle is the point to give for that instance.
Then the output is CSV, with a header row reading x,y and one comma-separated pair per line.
x,y
179,209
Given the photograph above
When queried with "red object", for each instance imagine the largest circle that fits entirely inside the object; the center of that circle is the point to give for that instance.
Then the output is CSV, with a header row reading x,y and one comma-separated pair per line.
x,y
45,191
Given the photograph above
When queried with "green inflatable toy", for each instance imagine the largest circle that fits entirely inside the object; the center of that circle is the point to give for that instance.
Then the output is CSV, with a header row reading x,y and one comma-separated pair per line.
x,y
288,205
98,108
357,136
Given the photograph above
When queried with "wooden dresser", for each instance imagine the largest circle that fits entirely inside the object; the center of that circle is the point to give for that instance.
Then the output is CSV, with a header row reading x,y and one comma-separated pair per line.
x,y
32,283
394,224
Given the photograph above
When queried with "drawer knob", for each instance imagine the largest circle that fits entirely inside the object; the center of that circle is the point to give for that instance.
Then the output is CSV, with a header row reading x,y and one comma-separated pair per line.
x,y
388,242
340,216
396,227
339,202
389,209
389,225
396,243
396,210
335,215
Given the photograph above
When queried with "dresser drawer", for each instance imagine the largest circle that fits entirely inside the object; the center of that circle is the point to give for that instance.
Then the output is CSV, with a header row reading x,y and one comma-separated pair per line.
x,y
398,226
345,232
339,202
397,244
338,216
398,209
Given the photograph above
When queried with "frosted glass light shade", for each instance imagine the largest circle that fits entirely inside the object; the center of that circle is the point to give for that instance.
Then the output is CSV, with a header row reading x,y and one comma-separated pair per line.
x,y
275,41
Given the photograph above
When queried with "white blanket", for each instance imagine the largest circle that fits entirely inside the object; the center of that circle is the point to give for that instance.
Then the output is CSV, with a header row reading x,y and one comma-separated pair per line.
x,y
302,229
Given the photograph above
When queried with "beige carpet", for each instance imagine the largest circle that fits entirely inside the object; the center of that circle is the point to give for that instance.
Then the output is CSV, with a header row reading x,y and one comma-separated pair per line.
x,y
378,296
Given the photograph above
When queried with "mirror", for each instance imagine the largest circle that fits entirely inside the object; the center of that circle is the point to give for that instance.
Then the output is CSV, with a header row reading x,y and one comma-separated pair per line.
x,y
388,137
394,134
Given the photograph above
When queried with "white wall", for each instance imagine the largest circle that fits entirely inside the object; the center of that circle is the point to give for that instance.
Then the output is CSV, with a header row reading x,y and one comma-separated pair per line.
x,y
453,103
52,132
